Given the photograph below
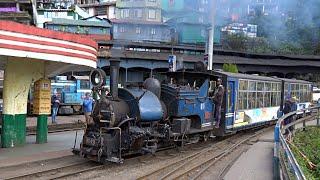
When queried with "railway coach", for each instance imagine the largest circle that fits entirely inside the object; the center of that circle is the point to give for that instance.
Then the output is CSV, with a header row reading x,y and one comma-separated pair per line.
x,y
253,100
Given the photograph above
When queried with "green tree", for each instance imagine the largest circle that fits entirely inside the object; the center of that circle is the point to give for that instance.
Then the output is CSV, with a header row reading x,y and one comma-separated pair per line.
x,y
230,68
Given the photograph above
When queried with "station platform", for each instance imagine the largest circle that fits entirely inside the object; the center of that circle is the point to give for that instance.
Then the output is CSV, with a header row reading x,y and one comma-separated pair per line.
x,y
256,163
59,145
63,123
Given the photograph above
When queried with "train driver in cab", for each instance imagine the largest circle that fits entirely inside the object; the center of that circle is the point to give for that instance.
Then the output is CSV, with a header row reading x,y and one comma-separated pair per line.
x,y
218,98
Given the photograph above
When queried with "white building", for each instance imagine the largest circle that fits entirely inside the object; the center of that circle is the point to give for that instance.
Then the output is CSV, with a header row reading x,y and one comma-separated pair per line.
x,y
248,30
104,9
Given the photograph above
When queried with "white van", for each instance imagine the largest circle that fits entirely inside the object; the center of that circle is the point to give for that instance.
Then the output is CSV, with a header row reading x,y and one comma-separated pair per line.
x,y
315,94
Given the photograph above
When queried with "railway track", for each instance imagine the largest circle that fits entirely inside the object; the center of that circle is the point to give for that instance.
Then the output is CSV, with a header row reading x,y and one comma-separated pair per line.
x,y
61,171
196,164
203,155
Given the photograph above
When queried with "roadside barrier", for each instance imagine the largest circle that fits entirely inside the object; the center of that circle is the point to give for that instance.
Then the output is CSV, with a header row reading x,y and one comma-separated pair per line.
x,y
285,165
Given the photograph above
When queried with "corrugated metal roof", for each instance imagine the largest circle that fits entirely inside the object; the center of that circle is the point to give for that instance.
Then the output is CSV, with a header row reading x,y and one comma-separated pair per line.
x,y
295,81
79,22
98,4
248,76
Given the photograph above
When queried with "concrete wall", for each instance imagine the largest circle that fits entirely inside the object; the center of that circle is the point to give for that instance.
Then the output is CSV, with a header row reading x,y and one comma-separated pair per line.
x,y
18,76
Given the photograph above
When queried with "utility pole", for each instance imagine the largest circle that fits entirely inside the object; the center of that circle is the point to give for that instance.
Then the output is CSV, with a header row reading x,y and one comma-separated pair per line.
x,y
211,36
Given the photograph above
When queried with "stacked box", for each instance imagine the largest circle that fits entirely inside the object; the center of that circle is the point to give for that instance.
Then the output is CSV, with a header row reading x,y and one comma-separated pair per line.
x,y
42,97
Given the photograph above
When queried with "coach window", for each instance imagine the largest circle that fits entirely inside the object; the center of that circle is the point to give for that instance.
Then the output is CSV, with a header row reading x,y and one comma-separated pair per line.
x,y
274,94
252,95
260,94
293,88
302,93
243,95
286,91
278,94
309,92
267,95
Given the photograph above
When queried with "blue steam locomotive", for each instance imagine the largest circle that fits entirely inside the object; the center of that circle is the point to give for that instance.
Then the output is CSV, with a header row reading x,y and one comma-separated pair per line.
x,y
143,118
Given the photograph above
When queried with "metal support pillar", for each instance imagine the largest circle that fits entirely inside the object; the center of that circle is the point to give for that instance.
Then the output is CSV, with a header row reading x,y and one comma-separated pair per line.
x,y
304,121
318,118
126,75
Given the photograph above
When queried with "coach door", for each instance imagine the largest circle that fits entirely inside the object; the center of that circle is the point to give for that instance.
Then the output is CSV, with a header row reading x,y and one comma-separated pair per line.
x,y
230,104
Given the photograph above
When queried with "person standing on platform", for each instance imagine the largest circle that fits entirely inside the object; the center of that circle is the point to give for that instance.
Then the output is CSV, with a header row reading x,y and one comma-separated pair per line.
x,y
218,98
87,107
55,107
287,109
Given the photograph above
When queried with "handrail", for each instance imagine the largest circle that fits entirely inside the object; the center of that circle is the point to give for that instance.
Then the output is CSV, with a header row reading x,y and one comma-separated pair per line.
x,y
284,161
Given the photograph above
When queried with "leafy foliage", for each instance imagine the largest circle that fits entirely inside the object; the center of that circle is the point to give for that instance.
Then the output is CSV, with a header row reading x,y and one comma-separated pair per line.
x,y
296,31
308,142
230,68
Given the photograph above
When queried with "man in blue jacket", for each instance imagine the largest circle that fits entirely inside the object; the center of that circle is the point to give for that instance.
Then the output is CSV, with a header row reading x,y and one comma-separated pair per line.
x,y
87,107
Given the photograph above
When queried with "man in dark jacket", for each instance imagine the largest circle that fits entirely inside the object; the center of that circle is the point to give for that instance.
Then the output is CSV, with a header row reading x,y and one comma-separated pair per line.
x,y
286,109
55,106
218,99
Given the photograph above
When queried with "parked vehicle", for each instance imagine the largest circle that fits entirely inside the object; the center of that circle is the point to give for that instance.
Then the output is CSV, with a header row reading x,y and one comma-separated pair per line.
x,y
315,95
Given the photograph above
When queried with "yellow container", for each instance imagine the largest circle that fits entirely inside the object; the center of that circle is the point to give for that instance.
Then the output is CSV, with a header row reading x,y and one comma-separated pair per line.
x,y
42,97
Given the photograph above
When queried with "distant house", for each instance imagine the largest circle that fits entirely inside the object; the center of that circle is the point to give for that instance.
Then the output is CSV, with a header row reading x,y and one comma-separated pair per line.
x,y
140,21
103,9
142,10
97,30
263,7
189,19
47,13
248,30
54,4
140,31
18,10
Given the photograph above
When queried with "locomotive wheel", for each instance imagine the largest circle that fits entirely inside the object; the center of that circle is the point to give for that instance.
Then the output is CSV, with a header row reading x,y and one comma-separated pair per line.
x,y
206,136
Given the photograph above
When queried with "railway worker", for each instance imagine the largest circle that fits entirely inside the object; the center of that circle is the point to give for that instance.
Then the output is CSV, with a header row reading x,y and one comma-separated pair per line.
x,y
87,107
55,101
294,107
218,98
286,109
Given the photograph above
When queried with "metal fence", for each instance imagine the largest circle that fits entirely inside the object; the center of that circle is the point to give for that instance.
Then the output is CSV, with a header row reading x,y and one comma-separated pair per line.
x,y
285,164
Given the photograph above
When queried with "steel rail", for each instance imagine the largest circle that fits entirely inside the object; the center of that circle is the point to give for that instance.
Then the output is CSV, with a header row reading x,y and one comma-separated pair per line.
x,y
37,173
192,156
80,171
216,158
187,160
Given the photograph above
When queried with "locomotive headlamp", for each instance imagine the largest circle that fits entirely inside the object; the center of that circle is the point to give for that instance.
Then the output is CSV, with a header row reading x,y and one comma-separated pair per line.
x,y
98,78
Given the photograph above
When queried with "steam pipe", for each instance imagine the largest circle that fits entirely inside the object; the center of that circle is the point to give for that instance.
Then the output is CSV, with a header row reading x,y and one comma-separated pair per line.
x,y
114,78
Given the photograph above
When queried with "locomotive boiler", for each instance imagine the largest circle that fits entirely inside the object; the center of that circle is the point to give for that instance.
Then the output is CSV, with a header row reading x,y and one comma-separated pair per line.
x,y
142,119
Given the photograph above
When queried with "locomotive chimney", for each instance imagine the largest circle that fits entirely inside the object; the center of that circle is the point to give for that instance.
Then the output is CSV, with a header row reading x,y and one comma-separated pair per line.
x,y
114,78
